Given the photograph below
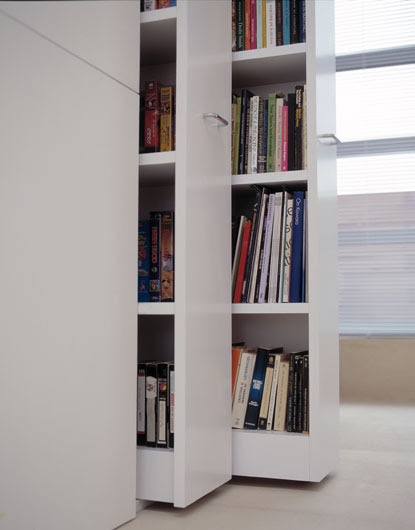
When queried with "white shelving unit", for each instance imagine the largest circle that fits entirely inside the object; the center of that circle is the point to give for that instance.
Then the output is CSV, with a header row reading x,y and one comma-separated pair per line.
x,y
194,181
312,325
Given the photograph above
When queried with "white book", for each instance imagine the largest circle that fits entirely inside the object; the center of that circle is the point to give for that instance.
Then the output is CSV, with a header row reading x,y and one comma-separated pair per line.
x,y
279,103
253,136
271,34
282,391
273,393
259,38
287,251
242,387
267,249
275,249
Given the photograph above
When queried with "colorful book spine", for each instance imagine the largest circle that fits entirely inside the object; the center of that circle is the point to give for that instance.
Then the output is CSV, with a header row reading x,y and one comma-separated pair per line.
x,y
143,294
167,257
271,135
253,24
256,390
166,118
284,139
151,117
286,38
155,259
240,34
237,297
270,23
297,247
171,404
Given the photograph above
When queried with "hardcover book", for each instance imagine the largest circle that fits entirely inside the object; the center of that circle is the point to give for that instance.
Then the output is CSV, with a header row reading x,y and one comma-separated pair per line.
x,y
171,404
297,248
166,118
167,257
141,404
162,404
155,257
143,261
151,117
151,404
243,382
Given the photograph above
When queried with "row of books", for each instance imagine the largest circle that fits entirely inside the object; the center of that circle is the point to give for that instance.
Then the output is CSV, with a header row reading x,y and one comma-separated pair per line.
x,y
150,5
155,404
266,23
269,134
158,118
270,389
156,258
269,262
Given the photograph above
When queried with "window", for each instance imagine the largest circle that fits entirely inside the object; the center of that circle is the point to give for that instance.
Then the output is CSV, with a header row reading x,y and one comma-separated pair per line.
x,y
375,48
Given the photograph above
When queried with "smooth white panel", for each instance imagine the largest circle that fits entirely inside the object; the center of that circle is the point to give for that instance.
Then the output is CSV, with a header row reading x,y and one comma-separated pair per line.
x,y
104,34
155,474
68,235
203,206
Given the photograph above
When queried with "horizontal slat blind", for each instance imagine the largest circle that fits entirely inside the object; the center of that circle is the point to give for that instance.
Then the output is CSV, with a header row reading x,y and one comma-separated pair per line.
x,y
376,166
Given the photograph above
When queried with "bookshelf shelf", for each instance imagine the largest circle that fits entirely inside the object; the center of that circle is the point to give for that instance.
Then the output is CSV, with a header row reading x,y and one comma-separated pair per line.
x,y
269,309
267,65
270,179
157,169
155,308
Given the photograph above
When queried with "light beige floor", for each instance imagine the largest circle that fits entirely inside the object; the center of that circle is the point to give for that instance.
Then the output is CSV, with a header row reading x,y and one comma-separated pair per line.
x,y
373,488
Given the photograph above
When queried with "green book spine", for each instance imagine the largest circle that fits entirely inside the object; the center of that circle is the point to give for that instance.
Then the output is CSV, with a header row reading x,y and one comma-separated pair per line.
x,y
271,133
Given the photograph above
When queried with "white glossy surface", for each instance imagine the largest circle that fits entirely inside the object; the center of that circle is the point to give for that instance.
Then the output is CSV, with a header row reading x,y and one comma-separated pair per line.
x,y
68,219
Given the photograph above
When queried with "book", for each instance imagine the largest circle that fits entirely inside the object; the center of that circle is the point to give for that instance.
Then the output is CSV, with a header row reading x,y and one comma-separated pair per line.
x,y
286,251
297,248
242,387
259,192
236,137
253,24
151,404
237,251
240,34
143,261
278,22
302,21
151,117
273,393
141,404
284,138
294,21
291,131
162,404
274,267
279,103
155,258
267,249
171,404
298,127
271,132
270,23
262,135
166,118
167,257
282,392
237,296
257,248
266,395
253,135
245,99
257,387
236,358
286,25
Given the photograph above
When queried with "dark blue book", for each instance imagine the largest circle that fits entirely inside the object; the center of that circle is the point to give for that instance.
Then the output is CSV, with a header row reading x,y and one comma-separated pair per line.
x,y
257,387
155,258
302,21
143,261
297,248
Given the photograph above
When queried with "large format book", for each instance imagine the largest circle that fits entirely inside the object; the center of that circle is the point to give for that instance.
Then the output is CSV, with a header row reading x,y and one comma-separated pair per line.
x,y
282,391
141,404
237,295
143,261
257,249
166,118
245,103
167,257
236,135
274,267
155,257
243,383
257,387
285,290
297,248
267,249
237,251
291,132
151,117
151,404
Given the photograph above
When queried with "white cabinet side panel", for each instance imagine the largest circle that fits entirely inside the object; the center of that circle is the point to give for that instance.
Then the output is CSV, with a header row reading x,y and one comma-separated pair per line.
x,y
203,312
68,235
105,34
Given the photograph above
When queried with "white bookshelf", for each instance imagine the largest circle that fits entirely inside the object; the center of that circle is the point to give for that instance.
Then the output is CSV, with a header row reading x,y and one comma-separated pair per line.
x,y
308,326
195,329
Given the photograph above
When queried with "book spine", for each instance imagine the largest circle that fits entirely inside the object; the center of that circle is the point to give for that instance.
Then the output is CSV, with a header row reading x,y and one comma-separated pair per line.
x,y
162,397
245,96
256,249
167,257
234,25
287,251
297,247
302,21
236,361
259,38
290,395
251,245
143,261
151,404
266,395
267,249
237,251
154,275
284,139
275,249
237,297
151,117
294,21
273,393
264,23
166,118
242,388
306,427
271,139
262,160
256,390
291,131
141,404
253,25
247,24
298,127
240,31
270,23
282,394
278,24
254,120
171,404
278,134
259,264
286,39
237,133
149,5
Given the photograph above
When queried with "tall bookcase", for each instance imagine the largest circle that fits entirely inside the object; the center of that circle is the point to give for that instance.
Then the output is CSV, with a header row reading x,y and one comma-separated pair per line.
x,y
308,326
178,47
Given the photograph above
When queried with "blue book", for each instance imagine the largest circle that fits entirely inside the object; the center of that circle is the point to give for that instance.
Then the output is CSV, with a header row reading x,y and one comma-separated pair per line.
x,y
302,21
297,248
257,387
143,261
286,36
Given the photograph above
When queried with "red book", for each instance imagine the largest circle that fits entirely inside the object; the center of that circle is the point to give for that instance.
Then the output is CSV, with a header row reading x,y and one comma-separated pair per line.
x,y
151,117
252,35
237,297
236,354
247,24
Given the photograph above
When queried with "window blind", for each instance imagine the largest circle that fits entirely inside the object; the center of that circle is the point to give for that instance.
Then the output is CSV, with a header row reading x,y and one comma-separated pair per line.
x,y
375,48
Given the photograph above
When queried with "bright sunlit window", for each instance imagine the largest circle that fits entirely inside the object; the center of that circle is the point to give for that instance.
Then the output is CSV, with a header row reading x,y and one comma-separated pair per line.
x,y
375,49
